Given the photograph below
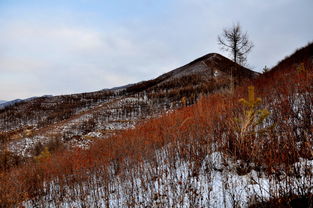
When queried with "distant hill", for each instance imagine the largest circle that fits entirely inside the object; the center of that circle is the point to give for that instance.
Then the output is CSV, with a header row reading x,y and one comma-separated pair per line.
x,y
4,104
8,103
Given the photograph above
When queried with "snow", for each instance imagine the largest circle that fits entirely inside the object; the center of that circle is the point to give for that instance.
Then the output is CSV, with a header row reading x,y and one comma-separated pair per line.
x,y
23,147
162,184
119,125
80,143
94,134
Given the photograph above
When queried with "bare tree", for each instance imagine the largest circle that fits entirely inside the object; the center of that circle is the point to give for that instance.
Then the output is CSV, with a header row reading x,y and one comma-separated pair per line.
x,y
234,41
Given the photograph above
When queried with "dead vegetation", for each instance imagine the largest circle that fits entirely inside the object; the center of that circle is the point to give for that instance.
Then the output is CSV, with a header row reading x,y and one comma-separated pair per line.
x,y
188,136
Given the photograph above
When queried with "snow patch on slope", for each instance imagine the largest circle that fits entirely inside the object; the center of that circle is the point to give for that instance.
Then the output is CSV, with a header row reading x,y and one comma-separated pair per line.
x,y
216,185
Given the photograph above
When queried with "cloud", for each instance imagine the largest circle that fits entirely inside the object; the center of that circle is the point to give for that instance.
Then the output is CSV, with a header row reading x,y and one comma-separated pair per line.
x,y
86,47
58,59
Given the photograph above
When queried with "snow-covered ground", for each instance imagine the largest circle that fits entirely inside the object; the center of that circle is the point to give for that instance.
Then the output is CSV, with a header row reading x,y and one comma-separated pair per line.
x,y
164,183
24,146
107,116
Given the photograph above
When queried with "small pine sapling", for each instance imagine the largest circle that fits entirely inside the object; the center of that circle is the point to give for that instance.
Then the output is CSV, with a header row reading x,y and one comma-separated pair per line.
x,y
253,117
45,154
184,101
265,69
301,68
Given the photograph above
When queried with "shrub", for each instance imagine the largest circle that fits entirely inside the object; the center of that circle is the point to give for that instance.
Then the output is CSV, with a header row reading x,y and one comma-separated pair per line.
x,y
45,154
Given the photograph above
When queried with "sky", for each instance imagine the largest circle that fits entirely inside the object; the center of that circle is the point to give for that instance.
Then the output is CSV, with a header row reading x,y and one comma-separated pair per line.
x,y
72,46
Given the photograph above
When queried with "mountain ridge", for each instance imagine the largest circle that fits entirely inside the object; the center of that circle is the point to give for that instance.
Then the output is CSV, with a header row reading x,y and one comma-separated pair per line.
x,y
209,63
77,119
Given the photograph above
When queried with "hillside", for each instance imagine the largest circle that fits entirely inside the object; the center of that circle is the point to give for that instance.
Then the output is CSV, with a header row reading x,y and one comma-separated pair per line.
x,y
218,152
77,120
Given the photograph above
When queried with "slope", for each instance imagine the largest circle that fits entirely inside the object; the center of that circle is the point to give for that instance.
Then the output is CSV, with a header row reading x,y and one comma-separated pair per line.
x,y
78,119
175,159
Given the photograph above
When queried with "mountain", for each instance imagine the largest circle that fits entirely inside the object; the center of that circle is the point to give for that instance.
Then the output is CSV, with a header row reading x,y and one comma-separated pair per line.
x,y
78,119
300,56
248,148
8,103
4,104
208,69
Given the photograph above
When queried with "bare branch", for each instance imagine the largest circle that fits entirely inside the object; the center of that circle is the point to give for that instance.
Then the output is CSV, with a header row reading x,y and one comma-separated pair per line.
x,y
236,42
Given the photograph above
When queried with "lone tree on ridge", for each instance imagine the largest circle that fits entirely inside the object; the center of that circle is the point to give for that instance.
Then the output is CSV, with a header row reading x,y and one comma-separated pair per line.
x,y
234,41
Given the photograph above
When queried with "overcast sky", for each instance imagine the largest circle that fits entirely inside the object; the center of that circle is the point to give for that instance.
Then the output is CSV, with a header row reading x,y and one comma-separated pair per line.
x,y
69,46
